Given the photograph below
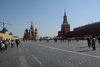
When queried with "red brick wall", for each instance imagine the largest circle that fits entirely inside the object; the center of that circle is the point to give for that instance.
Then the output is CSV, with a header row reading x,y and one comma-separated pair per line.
x,y
63,31
92,31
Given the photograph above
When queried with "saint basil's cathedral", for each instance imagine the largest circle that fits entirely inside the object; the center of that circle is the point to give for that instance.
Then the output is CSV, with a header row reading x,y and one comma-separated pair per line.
x,y
30,34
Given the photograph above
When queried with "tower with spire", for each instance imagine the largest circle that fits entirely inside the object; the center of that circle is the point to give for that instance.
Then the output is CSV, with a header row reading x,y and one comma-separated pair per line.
x,y
65,27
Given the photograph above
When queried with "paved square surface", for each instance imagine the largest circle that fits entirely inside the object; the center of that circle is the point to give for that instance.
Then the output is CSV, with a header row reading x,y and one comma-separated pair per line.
x,y
51,54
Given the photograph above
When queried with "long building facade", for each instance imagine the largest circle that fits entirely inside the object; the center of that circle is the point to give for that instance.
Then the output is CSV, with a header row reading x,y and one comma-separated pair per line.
x,y
4,35
86,30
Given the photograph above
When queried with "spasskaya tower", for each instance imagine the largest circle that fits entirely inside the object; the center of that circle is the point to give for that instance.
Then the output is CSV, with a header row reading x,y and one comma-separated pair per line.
x,y
65,27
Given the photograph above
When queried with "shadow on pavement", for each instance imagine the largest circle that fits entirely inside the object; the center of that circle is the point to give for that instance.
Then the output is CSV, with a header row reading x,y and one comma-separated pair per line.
x,y
83,47
84,50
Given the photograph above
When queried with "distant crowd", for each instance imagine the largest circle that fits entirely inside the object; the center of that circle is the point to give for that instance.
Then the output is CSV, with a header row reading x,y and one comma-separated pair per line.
x,y
5,43
90,40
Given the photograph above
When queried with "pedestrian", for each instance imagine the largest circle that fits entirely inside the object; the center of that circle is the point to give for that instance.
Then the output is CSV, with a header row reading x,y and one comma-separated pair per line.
x,y
77,39
56,39
93,43
73,39
40,40
12,43
2,47
68,39
89,41
62,39
0,44
17,42
65,39
99,40
6,44
9,42
47,40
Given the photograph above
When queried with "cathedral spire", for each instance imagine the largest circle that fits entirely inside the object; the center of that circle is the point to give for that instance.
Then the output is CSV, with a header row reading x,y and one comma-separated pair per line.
x,y
31,22
32,28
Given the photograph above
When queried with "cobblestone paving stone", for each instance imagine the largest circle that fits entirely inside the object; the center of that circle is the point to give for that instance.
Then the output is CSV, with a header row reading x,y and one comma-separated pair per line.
x,y
51,54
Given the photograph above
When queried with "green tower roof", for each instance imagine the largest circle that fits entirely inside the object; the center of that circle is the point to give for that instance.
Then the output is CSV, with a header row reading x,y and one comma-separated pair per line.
x,y
26,29
4,29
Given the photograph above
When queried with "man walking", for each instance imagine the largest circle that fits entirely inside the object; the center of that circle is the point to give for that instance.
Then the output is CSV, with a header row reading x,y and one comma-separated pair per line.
x,y
17,42
93,43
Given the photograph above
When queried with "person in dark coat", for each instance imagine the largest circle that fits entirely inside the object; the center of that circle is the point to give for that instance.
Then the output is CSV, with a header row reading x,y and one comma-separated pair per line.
x,y
12,43
77,39
0,44
89,41
17,42
93,42
6,44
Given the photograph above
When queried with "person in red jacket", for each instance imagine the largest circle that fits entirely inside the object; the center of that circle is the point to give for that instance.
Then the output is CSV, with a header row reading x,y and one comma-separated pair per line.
x,y
89,41
73,39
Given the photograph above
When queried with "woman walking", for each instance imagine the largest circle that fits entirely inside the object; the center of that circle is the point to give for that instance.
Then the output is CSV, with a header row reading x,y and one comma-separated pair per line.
x,y
2,47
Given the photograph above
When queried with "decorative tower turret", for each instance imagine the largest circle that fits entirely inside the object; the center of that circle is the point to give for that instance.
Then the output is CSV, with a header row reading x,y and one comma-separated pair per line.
x,y
26,30
26,34
32,29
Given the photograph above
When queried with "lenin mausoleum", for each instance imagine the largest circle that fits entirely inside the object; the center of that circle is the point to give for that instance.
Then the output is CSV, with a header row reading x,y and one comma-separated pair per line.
x,y
86,30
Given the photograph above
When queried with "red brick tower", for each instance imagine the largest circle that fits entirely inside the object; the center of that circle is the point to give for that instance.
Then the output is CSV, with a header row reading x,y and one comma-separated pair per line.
x,y
65,27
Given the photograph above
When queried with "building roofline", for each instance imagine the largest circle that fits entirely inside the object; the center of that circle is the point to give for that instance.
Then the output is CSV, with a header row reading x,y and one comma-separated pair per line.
x,y
88,24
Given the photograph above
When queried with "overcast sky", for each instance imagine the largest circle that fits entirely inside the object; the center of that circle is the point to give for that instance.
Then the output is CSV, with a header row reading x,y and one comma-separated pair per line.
x,y
47,15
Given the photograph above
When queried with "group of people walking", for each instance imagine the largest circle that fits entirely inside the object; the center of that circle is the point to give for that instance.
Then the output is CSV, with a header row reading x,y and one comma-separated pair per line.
x,y
5,43
92,41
